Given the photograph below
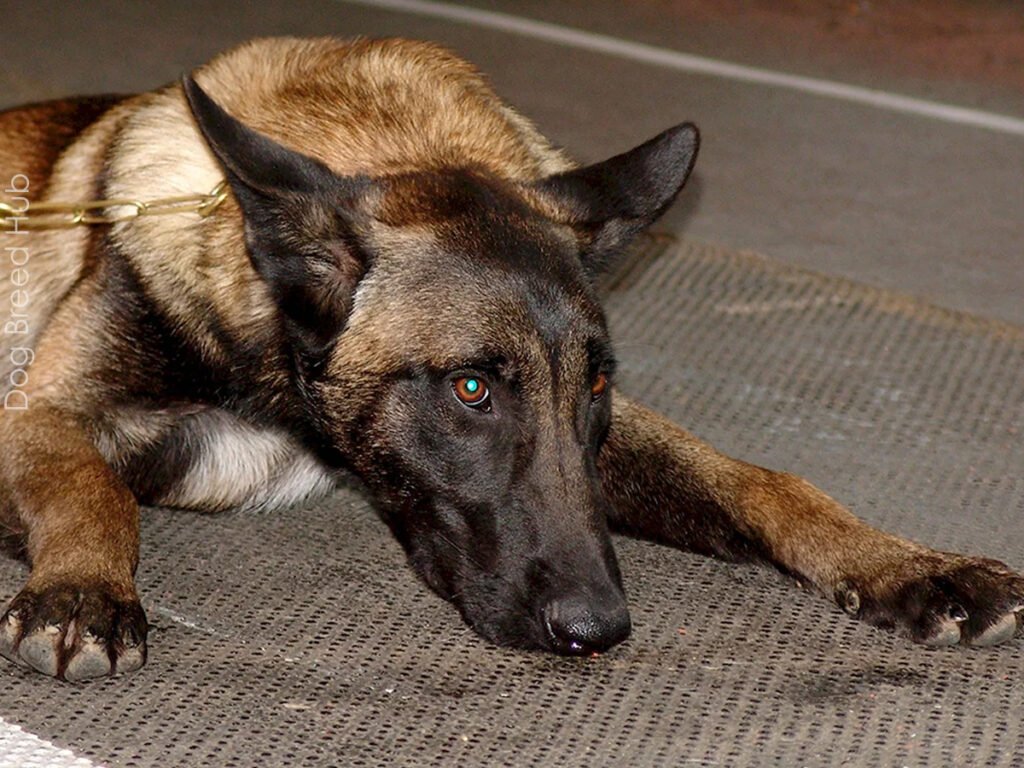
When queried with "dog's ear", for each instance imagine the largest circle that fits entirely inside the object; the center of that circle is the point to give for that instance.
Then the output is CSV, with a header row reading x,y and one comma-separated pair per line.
x,y
609,203
300,224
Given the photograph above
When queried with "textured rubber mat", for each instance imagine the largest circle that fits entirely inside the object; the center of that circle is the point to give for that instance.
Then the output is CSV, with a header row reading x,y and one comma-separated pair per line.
x,y
301,638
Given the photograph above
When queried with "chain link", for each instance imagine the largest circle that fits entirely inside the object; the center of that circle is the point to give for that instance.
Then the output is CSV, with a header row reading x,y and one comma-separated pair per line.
x,y
58,215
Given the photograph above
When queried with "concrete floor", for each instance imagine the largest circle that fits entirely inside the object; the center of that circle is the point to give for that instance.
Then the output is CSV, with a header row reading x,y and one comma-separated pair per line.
x,y
907,203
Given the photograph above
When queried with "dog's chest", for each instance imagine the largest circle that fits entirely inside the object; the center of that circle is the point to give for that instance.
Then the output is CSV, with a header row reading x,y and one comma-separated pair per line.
x,y
210,460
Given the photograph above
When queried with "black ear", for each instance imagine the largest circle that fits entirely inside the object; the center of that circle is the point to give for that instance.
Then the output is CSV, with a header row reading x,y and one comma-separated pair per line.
x,y
300,220
610,202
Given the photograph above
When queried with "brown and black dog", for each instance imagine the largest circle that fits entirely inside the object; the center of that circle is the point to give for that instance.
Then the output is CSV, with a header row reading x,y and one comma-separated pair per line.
x,y
398,286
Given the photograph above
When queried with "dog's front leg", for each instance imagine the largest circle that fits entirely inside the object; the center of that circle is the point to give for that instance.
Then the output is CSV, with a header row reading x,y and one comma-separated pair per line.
x,y
666,485
78,617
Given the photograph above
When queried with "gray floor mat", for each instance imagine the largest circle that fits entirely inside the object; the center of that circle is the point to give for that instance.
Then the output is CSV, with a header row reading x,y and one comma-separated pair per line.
x,y
301,638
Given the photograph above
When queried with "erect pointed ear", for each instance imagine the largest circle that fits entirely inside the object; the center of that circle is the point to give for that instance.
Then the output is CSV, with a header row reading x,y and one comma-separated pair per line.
x,y
300,221
609,203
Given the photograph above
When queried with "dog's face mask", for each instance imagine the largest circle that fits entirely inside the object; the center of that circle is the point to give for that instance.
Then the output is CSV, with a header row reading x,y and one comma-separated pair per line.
x,y
445,328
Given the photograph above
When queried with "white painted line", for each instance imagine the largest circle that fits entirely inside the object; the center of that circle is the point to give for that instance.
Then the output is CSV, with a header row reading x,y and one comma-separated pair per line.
x,y
20,749
685,62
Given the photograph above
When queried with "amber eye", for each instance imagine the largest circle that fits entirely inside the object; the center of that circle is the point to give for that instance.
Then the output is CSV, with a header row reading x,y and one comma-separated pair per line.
x,y
599,386
472,391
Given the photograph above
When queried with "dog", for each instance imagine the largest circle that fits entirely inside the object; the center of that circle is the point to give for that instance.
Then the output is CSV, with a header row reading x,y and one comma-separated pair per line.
x,y
319,259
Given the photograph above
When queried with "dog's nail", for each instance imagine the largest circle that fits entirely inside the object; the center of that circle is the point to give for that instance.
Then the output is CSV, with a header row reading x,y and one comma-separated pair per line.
x,y
957,613
39,652
999,632
948,635
848,598
90,662
130,638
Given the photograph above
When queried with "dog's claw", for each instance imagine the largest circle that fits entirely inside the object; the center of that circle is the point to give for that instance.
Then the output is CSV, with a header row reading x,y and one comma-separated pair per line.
x,y
91,660
10,633
999,632
947,635
40,649
848,598
74,634
940,599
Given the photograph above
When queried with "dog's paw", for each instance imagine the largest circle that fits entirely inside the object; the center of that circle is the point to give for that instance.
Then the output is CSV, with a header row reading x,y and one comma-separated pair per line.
x,y
74,633
940,599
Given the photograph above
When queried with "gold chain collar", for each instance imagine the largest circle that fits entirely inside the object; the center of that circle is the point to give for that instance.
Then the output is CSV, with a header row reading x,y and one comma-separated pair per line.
x,y
58,215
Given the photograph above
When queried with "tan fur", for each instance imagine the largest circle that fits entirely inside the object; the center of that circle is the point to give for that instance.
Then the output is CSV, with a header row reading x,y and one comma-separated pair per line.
x,y
100,541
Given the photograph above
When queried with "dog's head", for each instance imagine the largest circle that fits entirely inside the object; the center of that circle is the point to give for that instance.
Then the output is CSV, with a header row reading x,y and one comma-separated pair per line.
x,y
444,325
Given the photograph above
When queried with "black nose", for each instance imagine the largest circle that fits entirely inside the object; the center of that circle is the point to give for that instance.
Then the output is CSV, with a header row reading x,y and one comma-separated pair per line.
x,y
578,626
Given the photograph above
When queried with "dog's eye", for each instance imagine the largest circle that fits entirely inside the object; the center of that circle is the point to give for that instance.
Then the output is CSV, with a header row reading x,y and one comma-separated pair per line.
x,y
597,389
472,391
